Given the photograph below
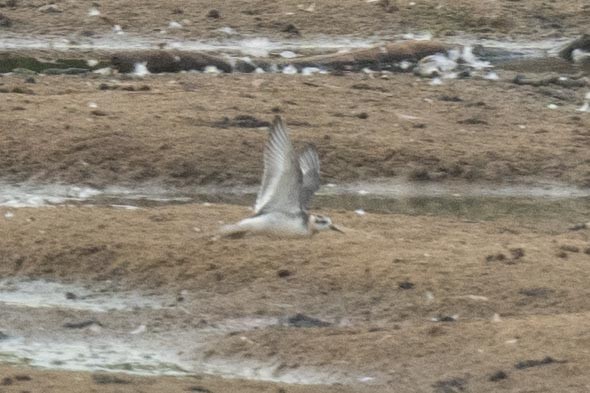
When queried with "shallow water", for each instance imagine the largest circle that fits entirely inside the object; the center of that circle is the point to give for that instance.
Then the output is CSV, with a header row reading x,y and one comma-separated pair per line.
x,y
129,42
46,294
92,355
123,335
523,55
465,200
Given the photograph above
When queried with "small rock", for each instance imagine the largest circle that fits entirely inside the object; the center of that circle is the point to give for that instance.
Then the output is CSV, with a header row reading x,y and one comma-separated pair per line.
x,y
30,79
214,14
445,318
419,174
98,112
536,363
71,296
241,121
516,253
104,86
536,292
291,29
561,254
283,273
21,90
303,321
81,324
450,98
363,115
174,25
587,250
495,257
6,381
22,377
199,389
49,9
5,21
406,285
104,379
569,248
498,376
453,385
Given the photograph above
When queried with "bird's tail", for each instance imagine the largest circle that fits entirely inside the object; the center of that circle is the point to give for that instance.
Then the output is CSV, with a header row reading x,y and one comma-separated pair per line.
x,y
232,231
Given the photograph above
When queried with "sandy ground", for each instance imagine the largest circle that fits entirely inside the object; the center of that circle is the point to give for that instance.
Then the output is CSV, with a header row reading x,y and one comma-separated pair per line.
x,y
191,129
420,303
517,290
289,18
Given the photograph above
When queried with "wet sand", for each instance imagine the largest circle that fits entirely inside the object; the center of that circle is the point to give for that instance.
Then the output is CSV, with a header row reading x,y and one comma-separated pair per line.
x,y
194,129
437,299
443,296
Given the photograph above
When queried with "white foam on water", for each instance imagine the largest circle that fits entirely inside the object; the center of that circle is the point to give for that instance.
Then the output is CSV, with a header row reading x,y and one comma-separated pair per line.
x,y
255,46
140,69
111,356
41,195
46,294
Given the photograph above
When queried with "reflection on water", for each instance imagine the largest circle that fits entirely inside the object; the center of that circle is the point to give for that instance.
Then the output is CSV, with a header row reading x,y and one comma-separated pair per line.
x,y
467,207
465,200
46,294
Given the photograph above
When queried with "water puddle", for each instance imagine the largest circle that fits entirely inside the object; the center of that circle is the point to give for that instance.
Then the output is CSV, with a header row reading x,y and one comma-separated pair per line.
x,y
248,46
109,356
31,195
467,200
46,294
109,344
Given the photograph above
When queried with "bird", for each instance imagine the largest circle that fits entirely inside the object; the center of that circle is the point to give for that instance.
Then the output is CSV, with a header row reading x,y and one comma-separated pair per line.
x,y
289,181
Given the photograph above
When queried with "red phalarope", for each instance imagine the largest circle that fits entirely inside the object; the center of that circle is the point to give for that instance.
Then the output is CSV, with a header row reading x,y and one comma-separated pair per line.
x,y
288,184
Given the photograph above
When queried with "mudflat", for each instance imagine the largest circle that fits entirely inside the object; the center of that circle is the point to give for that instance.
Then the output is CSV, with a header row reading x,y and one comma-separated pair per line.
x,y
426,299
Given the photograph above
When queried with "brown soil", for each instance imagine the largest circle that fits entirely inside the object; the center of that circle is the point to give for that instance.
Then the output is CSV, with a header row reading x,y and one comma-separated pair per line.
x,y
192,129
286,18
532,274
25,379
422,303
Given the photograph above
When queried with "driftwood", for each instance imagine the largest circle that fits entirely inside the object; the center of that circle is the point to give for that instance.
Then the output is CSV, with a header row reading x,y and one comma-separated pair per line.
x,y
382,57
168,61
582,43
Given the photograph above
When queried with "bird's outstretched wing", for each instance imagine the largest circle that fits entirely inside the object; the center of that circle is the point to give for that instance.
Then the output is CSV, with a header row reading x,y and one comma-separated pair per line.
x,y
309,162
282,178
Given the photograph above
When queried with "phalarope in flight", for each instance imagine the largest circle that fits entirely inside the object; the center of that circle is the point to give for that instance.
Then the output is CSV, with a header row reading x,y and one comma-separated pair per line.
x,y
288,184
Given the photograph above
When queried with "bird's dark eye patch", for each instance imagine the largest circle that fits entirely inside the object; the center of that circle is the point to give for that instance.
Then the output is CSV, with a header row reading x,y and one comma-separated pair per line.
x,y
321,220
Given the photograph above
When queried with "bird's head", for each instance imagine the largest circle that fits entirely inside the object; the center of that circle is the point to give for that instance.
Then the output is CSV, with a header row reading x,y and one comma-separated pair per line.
x,y
322,223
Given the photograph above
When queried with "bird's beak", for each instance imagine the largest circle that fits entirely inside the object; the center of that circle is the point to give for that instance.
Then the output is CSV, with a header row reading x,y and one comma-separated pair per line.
x,y
335,228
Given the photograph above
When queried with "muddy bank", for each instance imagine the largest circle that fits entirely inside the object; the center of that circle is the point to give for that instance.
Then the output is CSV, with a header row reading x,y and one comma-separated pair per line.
x,y
439,301
18,378
289,18
192,129
172,247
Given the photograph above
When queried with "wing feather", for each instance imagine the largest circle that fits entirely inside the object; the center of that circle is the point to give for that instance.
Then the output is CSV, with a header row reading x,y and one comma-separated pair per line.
x,y
282,177
309,163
